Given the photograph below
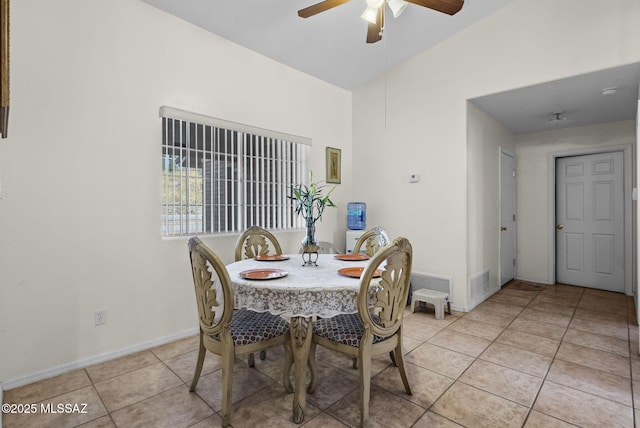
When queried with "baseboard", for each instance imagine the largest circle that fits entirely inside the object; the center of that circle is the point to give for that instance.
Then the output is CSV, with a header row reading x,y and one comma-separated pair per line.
x,y
97,359
457,308
482,299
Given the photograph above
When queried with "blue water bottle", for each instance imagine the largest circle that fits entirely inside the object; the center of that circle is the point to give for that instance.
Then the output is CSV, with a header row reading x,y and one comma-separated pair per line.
x,y
356,215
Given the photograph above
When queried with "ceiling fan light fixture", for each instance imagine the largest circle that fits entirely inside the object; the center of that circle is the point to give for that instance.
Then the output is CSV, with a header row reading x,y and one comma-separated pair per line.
x,y
557,117
374,13
397,7
370,14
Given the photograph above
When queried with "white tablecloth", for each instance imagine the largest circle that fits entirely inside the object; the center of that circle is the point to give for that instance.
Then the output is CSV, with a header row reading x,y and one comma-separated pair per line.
x,y
306,290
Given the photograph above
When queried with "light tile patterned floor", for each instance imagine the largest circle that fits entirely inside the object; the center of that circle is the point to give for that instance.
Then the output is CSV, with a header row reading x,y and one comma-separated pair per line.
x,y
565,356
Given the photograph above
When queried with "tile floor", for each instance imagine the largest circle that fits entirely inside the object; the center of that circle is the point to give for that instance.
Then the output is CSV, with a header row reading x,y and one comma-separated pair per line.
x,y
562,357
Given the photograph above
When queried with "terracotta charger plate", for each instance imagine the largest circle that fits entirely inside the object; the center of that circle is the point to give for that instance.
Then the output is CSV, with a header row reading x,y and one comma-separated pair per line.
x,y
263,273
352,257
271,258
356,272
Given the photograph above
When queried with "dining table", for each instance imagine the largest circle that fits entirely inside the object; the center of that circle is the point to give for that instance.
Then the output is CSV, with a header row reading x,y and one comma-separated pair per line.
x,y
284,285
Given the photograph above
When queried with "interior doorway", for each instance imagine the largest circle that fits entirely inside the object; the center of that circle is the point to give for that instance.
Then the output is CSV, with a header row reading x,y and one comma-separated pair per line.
x,y
507,240
591,218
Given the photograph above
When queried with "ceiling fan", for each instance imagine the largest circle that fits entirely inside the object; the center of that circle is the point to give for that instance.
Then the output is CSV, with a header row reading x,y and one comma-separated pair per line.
x,y
374,13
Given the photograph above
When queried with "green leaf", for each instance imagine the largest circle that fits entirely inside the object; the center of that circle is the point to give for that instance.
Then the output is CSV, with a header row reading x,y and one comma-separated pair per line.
x,y
310,203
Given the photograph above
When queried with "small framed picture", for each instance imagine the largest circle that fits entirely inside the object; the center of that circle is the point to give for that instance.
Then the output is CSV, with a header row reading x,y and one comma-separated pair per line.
x,y
4,67
333,165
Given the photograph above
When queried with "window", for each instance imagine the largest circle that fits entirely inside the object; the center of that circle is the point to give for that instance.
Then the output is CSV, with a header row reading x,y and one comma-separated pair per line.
x,y
222,177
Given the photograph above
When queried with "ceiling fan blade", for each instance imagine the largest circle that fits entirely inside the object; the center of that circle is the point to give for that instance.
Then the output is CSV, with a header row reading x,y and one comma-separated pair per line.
x,y
450,7
374,31
320,7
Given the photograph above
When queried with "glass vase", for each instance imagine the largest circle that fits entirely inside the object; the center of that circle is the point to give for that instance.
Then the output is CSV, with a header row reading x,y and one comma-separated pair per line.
x,y
310,246
310,235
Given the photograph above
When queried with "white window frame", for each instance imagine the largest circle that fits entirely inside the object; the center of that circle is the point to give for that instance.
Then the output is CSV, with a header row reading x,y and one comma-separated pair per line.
x,y
251,174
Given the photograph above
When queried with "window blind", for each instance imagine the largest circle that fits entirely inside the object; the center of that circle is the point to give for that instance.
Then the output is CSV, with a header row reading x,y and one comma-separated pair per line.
x,y
222,177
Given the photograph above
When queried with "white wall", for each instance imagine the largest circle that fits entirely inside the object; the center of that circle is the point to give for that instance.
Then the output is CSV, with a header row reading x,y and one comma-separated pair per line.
x,y
485,137
525,43
80,220
636,216
532,162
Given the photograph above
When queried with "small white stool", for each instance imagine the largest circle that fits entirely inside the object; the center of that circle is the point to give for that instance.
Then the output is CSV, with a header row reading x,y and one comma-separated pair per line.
x,y
437,298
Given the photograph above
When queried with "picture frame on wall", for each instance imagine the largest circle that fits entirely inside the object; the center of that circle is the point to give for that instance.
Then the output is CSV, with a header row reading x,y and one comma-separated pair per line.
x,y
4,67
334,166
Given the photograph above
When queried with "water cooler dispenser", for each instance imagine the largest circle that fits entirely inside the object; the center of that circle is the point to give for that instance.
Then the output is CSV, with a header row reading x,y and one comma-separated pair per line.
x,y
356,223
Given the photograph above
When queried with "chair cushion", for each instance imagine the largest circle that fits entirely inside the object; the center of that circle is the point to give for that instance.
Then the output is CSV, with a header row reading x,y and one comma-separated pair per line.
x,y
346,329
251,326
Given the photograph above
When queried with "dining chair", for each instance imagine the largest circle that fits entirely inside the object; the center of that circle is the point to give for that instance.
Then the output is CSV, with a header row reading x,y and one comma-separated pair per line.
x,y
256,241
227,332
326,247
377,326
371,241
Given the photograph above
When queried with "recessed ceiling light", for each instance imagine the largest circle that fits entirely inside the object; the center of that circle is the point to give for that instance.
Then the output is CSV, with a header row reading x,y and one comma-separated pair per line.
x,y
557,117
609,91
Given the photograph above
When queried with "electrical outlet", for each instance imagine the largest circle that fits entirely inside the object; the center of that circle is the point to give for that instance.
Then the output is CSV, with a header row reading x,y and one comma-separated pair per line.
x,y
100,317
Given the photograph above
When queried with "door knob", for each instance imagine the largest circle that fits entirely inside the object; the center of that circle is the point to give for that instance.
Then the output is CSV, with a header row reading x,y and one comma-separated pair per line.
x,y
503,228
560,226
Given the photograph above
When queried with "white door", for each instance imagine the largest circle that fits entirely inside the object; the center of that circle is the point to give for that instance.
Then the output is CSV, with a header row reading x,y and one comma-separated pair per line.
x,y
507,218
590,221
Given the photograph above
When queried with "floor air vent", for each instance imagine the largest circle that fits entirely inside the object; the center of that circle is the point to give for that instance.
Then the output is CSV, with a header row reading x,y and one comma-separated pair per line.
x,y
479,287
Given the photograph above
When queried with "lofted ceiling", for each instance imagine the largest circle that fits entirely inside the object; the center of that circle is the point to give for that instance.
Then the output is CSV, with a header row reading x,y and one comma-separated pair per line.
x,y
331,46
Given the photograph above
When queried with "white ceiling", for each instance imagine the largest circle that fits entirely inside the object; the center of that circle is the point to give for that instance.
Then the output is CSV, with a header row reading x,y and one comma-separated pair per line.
x,y
331,46
579,99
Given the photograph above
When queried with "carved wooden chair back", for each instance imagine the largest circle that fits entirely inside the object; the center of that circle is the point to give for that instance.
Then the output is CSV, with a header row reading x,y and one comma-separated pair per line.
x,y
214,295
377,327
326,247
371,241
227,332
383,317
256,241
